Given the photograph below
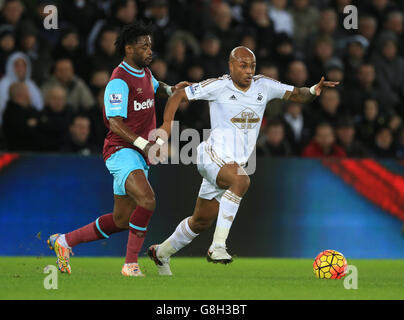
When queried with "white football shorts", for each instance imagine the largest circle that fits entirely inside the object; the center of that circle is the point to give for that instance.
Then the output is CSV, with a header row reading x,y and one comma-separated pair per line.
x,y
209,165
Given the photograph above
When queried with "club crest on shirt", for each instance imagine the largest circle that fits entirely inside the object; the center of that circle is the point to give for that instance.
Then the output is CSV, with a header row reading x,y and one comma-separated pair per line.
x,y
260,97
195,88
115,98
246,119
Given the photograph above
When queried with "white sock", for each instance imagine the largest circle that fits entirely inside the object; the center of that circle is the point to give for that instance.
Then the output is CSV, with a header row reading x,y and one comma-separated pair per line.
x,y
228,207
182,236
62,241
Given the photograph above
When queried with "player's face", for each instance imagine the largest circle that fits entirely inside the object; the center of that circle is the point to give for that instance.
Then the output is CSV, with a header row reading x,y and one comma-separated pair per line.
x,y
242,71
141,51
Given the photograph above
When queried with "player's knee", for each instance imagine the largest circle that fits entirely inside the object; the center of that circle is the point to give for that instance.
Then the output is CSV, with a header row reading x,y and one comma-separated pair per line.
x,y
147,201
240,184
144,199
120,220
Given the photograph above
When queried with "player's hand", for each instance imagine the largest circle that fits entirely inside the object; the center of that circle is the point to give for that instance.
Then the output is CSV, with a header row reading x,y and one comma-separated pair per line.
x,y
180,85
156,153
152,152
163,153
324,84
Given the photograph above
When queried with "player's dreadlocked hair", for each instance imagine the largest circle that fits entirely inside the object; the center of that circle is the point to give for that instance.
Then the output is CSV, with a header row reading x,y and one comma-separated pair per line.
x,y
129,34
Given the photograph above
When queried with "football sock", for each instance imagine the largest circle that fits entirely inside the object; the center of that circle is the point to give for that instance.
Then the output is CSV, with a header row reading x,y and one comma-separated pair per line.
x,y
137,231
228,207
101,228
182,236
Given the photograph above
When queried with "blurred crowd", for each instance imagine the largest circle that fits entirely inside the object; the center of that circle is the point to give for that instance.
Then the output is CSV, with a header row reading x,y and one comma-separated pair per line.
x,y
52,81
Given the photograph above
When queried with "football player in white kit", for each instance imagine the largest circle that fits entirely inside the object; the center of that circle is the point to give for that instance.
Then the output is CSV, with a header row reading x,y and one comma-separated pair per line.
x,y
237,104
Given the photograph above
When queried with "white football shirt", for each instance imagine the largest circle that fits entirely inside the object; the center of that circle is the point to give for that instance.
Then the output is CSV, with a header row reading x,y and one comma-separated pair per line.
x,y
236,116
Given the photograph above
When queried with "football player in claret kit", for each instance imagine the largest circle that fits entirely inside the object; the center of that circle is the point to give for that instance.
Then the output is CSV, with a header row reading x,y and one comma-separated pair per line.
x,y
237,103
130,116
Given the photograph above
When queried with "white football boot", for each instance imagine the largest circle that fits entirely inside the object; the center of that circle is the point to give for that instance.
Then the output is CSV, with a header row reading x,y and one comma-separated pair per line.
x,y
163,264
218,254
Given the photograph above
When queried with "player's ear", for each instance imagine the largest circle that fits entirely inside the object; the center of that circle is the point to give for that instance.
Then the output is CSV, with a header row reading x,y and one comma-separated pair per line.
x,y
128,49
230,66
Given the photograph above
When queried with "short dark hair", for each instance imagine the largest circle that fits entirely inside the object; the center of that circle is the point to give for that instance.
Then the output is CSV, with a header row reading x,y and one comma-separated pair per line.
x,y
381,129
345,122
129,34
324,124
59,59
366,63
274,122
118,4
77,115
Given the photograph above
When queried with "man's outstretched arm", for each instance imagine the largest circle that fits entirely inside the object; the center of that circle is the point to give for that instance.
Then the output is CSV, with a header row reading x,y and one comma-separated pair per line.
x,y
171,108
164,90
306,95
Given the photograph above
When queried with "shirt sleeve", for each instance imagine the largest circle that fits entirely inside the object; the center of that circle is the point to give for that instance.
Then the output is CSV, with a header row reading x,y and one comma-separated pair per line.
x,y
205,90
155,83
116,99
276,89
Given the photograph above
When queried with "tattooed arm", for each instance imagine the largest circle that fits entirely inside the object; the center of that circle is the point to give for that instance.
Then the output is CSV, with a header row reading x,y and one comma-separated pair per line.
x,y
306,95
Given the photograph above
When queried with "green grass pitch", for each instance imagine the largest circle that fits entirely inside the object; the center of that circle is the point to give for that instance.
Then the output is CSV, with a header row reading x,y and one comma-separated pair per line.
x,y
194,278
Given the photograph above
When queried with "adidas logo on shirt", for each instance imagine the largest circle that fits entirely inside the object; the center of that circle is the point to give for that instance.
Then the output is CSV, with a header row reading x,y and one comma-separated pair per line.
x,y
233,97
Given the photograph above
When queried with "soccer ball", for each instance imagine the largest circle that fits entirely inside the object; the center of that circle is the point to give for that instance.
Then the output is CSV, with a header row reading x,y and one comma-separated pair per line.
x,y
330,264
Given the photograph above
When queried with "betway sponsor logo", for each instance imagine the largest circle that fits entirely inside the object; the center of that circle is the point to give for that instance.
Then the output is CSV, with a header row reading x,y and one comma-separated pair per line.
x,y
144,105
